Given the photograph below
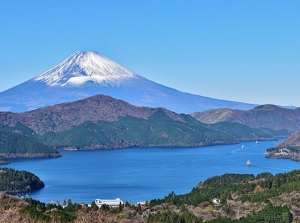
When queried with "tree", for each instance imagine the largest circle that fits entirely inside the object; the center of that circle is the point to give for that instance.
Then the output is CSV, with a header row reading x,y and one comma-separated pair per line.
x,y
121,206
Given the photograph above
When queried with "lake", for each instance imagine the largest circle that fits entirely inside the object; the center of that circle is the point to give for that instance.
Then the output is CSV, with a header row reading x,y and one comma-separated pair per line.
x,y
140,174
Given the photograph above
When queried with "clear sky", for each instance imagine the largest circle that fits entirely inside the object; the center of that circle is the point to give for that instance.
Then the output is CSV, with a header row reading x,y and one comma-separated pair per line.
x,y
240,50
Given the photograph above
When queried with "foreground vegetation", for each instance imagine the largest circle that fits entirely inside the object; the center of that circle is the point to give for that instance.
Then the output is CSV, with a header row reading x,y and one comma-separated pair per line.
x,y
227,198
237,198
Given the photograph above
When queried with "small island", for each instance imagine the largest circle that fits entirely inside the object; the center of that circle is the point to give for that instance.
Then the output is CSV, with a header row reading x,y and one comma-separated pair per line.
x,y
19,181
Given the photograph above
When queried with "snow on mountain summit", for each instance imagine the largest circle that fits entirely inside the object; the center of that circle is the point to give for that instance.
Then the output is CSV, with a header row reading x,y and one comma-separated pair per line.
x,y
86,67
86,74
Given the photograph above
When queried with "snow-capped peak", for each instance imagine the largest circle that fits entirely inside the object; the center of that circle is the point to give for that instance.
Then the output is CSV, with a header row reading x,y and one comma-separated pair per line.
x,y
83,67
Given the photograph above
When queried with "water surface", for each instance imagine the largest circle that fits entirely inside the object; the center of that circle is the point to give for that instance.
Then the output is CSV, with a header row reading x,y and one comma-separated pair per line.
x,y
140,174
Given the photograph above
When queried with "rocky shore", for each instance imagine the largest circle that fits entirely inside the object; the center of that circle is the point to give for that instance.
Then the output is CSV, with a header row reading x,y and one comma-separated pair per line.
x,y
283,153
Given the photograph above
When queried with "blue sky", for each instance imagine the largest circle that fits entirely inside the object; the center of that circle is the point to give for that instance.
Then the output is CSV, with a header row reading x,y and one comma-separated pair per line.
x,y
237,50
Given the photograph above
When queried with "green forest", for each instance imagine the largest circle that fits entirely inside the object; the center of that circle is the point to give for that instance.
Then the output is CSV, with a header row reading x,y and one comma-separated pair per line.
x,y
261,191
158,130
18,181
269,214
14,144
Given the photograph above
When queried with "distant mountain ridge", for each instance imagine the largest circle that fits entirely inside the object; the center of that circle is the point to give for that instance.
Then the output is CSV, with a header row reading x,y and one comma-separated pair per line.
x,y
101,121
263,116
277,121
85,74
61,117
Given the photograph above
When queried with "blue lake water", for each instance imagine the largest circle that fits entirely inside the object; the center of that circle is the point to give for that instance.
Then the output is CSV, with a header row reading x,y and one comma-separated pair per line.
x,y
140,174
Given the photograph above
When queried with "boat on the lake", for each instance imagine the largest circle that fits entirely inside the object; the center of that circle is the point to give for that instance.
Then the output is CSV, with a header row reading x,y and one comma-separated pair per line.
x,y
248,163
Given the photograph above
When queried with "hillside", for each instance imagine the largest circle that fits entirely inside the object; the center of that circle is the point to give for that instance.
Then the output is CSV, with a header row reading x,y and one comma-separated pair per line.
x,y
273,119
104,122
236,198
292,141
19,141
62,117
16,145
228,198
157,130
242,132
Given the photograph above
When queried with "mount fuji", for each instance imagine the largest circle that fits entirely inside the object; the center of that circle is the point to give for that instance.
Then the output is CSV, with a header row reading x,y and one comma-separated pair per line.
x,y
85,74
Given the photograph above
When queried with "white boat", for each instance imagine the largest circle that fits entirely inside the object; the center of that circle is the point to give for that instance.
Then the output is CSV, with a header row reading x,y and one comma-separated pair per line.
x,y
248,163
110,203
256,142
243,146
